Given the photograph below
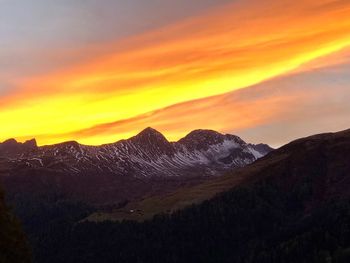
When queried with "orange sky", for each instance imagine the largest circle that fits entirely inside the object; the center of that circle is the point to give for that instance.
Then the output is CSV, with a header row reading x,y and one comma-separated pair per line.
x,y
167,77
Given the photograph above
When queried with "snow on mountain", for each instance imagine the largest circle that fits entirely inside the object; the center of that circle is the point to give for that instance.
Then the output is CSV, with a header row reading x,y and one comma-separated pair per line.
x,y
148,154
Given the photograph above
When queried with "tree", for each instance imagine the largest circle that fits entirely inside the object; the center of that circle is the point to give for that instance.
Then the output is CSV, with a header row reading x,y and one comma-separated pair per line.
x,y
13,243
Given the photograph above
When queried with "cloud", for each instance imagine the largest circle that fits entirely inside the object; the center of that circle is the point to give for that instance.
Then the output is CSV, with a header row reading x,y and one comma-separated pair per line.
x,y
33,31
274,112
231,48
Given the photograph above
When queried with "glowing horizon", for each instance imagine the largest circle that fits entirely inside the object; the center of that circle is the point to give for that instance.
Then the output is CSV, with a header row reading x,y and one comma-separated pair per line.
x,y
194,62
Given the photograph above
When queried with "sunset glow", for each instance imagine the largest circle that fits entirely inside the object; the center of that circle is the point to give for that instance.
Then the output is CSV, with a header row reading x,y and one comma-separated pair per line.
x,y
188,69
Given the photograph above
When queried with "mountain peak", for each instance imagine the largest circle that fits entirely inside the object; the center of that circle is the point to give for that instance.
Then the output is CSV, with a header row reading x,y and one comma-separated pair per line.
x,y
204,132
202,137
150,137
149,131
150,134
12,147
68,144
10,142
30,144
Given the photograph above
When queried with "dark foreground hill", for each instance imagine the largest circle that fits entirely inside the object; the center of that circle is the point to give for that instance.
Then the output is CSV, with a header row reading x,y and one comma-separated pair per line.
x,y
291,206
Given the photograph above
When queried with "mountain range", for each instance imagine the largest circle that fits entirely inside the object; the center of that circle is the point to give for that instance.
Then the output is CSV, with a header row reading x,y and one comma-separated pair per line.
x,y
291,205
146,163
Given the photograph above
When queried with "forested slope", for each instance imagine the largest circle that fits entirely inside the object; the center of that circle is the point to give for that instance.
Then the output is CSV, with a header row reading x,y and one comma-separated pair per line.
x,y
13,243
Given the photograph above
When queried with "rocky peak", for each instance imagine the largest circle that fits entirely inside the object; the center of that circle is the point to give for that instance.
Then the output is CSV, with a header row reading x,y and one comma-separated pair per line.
x,y
70,145
149,136
63,149
9,142
153,141
30,144
12,147
9,147
150,132
202,139
203,136
262,148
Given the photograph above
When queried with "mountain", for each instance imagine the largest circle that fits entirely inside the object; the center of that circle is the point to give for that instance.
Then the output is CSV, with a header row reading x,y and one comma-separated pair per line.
x,y
12,148
145,155
318,164
293,205
147,163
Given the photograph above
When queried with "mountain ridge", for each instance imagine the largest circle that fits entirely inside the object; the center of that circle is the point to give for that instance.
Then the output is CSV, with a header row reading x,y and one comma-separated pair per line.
x,y
145,131
149,147
147,163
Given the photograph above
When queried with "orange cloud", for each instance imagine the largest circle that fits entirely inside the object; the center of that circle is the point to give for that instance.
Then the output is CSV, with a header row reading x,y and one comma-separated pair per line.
x,y
275,111
231,48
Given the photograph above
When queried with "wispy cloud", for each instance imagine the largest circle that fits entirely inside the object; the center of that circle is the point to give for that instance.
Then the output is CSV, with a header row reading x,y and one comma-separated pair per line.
x,y
275,111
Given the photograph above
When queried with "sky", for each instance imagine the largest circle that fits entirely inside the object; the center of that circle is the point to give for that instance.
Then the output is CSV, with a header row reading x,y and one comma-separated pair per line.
x,y
99,71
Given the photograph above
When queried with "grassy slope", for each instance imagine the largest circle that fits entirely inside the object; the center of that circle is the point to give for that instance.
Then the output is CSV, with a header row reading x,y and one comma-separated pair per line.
x,y
147,208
